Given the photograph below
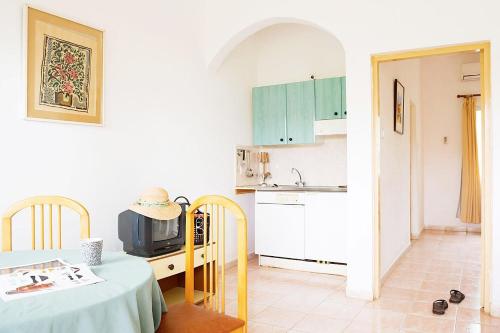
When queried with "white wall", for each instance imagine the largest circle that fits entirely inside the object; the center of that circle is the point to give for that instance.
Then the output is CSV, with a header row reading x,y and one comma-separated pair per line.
x,y
442,118
160,129
289,53
322,164
416,168
365,28
395,155
292,52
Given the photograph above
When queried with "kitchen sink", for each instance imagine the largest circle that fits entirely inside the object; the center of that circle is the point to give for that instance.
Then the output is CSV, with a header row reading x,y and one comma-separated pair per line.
x,y
301,188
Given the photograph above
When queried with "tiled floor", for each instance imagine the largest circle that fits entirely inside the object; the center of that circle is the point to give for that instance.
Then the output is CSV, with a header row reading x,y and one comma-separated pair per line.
x,y
290,301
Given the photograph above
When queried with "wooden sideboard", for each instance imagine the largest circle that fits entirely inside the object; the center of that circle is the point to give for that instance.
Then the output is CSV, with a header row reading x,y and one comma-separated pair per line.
x,y
169,270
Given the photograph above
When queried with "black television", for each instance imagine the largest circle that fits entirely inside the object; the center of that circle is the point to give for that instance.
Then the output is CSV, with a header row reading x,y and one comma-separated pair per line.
x,y
146,237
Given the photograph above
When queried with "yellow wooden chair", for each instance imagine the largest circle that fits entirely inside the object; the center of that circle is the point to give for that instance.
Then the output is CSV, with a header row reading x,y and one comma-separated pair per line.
x,y
210,317
43,201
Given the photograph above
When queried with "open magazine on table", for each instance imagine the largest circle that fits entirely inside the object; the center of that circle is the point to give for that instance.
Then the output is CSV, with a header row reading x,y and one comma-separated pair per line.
x,y
43,277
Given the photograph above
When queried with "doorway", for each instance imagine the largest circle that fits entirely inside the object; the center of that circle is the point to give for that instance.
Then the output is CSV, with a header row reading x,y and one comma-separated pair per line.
x,y
483,48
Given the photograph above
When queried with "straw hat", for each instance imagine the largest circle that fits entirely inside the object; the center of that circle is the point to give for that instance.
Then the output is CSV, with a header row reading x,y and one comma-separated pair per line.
x,y
154,203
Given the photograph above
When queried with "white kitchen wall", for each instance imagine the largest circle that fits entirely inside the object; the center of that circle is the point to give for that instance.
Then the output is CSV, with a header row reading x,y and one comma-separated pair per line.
x,y
322,164
395,157
289,53
160,129
442,109
365,28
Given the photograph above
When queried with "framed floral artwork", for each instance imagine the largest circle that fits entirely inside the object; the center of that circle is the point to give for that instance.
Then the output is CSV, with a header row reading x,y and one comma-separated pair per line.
x,y
399,107
64,69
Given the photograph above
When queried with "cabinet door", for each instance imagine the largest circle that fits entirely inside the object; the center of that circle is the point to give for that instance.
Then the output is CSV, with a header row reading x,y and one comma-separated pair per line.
x,y
344,108
326,227
328,98
279,230
269,115
300,112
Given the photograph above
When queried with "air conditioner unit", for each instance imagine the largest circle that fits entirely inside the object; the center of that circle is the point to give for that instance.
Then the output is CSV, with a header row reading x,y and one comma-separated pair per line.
x,y
471,72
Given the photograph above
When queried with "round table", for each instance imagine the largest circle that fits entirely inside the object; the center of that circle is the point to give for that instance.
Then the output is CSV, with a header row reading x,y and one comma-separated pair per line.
x,y
129,300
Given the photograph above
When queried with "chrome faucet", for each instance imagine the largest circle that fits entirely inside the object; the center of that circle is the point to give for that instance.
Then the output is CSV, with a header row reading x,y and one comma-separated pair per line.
x,y
299,183
265,176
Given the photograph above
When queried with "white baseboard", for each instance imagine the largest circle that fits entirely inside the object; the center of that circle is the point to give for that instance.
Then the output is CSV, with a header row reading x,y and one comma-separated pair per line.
x,y
476,228
301,265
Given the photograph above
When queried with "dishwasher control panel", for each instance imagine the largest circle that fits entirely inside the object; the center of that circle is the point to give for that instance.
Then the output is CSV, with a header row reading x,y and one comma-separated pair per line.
x,y
280,198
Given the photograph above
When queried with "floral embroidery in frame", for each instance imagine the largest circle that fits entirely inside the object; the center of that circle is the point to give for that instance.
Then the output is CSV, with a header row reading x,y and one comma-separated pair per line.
x,y
65,75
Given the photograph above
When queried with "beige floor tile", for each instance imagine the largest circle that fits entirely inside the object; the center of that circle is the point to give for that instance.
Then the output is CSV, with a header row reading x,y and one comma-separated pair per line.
x,y
262,328
253,308
439,286
264,297
464,327
380,319
428,325
476,316
469,315
407,283
339,296
395,305
326,281
302,301
470,303
278,317
357,327
336,310
471,290
430,296
315,324
424,309
398,293
455,279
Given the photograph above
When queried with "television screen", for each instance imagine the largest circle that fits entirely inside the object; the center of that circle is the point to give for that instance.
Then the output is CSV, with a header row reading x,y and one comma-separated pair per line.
x,y
165,230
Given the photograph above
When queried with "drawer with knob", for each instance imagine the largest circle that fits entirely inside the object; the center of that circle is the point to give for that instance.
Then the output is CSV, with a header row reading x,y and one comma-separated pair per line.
x,y
168,266
176,263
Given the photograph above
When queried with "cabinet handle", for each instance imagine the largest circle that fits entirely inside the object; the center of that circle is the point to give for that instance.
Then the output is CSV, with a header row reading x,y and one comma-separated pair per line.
x,y
281,139
336,113
171,267
202,255
290,139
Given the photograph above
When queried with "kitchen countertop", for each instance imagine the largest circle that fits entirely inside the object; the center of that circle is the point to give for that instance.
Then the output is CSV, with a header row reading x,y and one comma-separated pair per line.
x,y
289,188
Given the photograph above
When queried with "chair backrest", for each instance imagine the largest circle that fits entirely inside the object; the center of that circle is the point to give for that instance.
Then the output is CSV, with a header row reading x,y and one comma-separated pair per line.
x,y
51,202
213,294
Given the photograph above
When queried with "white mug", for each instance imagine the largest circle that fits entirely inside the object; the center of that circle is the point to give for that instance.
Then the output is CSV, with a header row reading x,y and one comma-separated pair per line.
x,y
91,251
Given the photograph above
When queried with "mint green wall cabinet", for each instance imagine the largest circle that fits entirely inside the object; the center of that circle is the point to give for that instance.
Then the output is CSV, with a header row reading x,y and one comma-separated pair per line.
x,y
344,108
328,98
269,115
300,112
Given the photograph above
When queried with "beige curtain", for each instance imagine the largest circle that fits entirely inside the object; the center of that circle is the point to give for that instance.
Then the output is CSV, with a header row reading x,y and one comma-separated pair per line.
x,y
470,192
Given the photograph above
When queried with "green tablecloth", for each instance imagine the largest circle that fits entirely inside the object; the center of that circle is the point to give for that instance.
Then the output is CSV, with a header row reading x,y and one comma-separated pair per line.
x,y
130,299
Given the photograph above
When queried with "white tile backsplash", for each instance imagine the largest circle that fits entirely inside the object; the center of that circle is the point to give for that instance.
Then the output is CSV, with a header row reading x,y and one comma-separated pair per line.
x,y
321,164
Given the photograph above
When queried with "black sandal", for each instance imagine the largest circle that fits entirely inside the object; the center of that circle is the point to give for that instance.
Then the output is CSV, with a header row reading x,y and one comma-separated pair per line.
x,y
439,306
456,296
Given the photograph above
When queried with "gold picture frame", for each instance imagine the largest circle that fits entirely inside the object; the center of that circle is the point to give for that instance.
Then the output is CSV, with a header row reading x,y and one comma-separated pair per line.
x,y
64,69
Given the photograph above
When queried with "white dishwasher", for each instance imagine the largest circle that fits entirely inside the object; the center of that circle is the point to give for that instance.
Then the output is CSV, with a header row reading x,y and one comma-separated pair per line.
x,y
279,224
